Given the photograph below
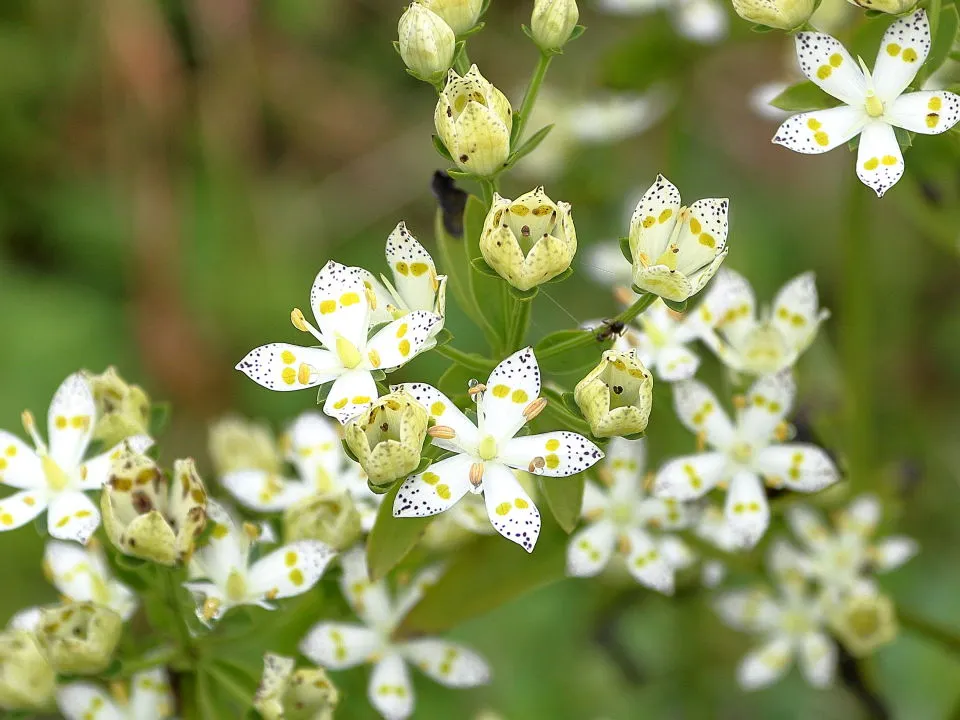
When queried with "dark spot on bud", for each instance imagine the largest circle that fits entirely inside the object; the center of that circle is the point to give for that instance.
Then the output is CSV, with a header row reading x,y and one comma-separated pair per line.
x,y
525,231
617,389
385,427
464,158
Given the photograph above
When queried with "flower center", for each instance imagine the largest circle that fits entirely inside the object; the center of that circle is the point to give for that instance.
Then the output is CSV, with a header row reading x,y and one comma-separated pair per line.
x,y
864,622
621,514
347,352
742,452
57,479
487,450
236,586
795,622
874,105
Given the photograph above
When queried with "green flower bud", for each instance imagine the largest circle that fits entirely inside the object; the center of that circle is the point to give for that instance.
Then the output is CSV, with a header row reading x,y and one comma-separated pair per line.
x,y
780,14
528,240
426,43
460,15
288,694
122,410
474,120
616,396
239,444
148,516
79,638
387,438
27,682
864,621
552,22
891,7
330,518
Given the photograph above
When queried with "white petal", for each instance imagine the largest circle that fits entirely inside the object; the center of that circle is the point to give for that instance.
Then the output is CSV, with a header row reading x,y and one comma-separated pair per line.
x,y
691,476
807,525
72,572
26,619
894,551
820,131
70,421
800,467
447,663
654,219
261,491
20,508
879,160
19,465
72,516
383,297
512,386
350,395
151,697
647,564
595,499
784,560
863,514
818,659
225,549
86,701
390,691
282,366
930,113
563,453
398,342
340,645
676,552
290,570
746,508
766,664
768,401
443,411
675,363
796,311
96,471
903,50
700,412
703,21
434,490
369,600
411,593
414,273
339,302
827,63
511,511
712,573
729,305
626,460
714,528
589,550
703,234
747,610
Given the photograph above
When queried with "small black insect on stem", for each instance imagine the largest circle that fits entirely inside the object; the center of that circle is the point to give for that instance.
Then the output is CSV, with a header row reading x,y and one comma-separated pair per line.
x,y
610,329
451,200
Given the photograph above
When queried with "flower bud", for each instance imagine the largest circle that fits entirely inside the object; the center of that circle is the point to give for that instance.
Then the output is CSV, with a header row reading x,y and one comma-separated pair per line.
x,y
288,694
330,518
780,14
891,7
27,682
864,621
426,42
386,440
79,638
122,410
148,516
474,120
616,396
239,444
528,240
460,15
552,22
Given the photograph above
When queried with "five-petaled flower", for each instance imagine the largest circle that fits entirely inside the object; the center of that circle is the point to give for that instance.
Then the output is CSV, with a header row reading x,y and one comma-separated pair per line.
x,y
743,453
873,103
343,309
662,342
149,698
338,646
485,453
54,478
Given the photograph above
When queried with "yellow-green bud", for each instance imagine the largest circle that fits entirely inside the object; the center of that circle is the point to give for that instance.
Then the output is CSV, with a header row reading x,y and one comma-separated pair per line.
x,y
122,410
474,120
330,518
552,22
891,7
79,638
27,682
528,240
387,438
616,396
288,694
148,516
460,15
780,14
426,42
863,622
239,444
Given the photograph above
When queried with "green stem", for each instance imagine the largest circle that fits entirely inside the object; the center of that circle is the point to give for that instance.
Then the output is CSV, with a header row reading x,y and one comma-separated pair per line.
x,y
242,695
155,657
519,322
471,361
169,582
589,336
529,99
949,639
642,303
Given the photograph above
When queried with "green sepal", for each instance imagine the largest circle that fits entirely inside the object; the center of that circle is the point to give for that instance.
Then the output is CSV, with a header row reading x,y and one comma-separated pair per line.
x,y
441,148
625,249
634,436
348,452
871,14
474,30
159,418
761,28
459,174
523,295
570,403
676,306
561,277
904,137
480,265
530,145
577,31
802,97
378,375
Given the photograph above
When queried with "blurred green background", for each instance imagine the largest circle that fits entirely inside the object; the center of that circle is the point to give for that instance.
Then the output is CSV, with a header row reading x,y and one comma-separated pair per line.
x,y
173,174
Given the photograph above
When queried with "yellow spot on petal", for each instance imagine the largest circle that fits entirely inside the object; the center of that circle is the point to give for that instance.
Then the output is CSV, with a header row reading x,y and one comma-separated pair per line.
x,y
836,60
707,240
60,422
340,404
303,373
402,268
419,268
503,508
290,558
824,71
431,478
935,103
909,55
932,120
29,501
519,396
6,519
361,399
404,347
893,49
889,160
3,463
80,421
12,450
288,357
521,504
296,577
500,391
82,513
871,164
822,138
63,521
374,358
649,221
814,124
665,215
437,408
402,330
443,491
289,375
552,461
220,531
327,306
519,209
695,226
553,444
349,298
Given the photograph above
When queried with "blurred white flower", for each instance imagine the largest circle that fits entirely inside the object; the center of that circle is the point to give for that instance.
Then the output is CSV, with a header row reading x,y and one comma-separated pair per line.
x,y
149,698
762,95
83,575
703,21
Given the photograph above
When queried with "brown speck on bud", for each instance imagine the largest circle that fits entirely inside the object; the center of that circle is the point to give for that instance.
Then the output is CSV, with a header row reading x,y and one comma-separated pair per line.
x,y
536,464
476,474
443,432
534,408
299,322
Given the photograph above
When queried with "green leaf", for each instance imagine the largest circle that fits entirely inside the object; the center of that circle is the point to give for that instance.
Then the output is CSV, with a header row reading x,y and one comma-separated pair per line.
x,y
391,538
443,337
530,145
904,137
564,497
570,403
485,289
625,249
802,97
453,382
676,306
441,148
159,418
569,351
480,265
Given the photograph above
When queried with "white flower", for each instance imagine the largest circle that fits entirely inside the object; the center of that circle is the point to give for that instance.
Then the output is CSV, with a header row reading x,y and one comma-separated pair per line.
x,y
713,527
486,452
790,624
83,575
662,342
231,580
621,516
766,343
311,445
703,21
676,250
339,646
149,698
840,560
762,95
743,453
55,478
342,308
873,104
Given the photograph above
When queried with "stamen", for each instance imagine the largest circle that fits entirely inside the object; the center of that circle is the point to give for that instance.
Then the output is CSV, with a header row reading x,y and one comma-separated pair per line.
x,y
211,606
537,463
444,432
534,408
476,474
30,426
701,441
782,432
252,531
301,324
475,390
623,544
739,402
